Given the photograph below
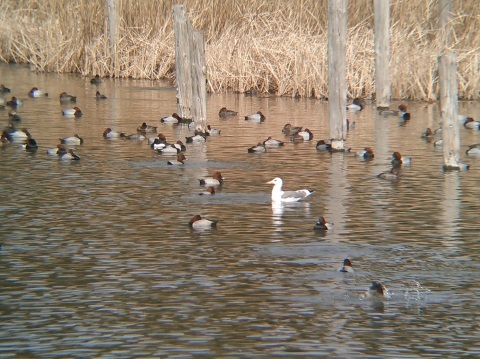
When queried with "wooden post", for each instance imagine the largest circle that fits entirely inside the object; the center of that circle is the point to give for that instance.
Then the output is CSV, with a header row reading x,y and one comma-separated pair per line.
x,y
382,53
337,87
199,71
113,8
183,61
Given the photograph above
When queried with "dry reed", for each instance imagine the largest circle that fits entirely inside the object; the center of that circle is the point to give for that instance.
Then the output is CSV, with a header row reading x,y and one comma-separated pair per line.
x,y
277,47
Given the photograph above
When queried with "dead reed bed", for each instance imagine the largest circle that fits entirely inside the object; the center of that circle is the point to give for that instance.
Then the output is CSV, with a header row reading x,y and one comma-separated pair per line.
x,y
275,47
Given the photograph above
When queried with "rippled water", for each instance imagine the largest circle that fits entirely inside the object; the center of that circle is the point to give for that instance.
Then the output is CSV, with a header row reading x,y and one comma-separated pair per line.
x,y
98,260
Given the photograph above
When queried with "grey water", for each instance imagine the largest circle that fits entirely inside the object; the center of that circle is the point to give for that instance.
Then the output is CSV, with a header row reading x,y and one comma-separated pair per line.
x,y
98,261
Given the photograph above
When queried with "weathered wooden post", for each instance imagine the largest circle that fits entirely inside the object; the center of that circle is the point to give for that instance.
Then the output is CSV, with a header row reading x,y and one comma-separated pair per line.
x,y
199,72
183,61
382,53
448,88
337,87
113,8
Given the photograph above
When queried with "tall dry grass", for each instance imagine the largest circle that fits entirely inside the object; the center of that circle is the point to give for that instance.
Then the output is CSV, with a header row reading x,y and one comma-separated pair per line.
x,y
275,47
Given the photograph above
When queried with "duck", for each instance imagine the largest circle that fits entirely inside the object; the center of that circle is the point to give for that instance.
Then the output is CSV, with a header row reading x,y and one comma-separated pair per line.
x,y
347,266
197,222
287,196
224,112
109,133
270,142
146,128
158,144
72,112
259,148
134,136
438,143
31,145
64,97
323,146
195,138
366,153
73,140
428,133
69,156
212,131
473,150
388,112
96,80
215,180
208,192
60,150
15,135
179,161
168,150
14,102
160,137
392,175
376,290
256,117
470,123
399,160
4,89
99,96
306,134
13,117
358,104
290,130
322,225
35,92
402,112
179,144
174,118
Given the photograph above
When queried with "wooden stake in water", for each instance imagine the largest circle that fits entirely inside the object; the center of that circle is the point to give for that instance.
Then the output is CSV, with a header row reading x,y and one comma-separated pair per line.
x,y
382,53
113,20
183,61
199,73
337,87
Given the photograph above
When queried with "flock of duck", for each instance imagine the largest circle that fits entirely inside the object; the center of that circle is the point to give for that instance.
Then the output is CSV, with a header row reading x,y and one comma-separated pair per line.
x,y
158,142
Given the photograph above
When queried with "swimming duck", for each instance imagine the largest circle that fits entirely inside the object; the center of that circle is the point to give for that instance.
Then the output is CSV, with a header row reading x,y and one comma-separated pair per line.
x,y
270,142
215,180
197,222
323,146
438,143
168,150
14,135
60,150
64,97
470,123
31,145
109,133
287,196
322,225
225,113
376,290
174,118
72,112
196,138
146,128
160,137
179,144
259,148
158,144
473,150
347,266
35,92
399,160
290,130
96,80
391,175
4,89
428,133
208,192
256,117
134,136
99,96
13,117
358,104
69,156
366,153
14,102
74,140
306,134
212,131
402,112
179,161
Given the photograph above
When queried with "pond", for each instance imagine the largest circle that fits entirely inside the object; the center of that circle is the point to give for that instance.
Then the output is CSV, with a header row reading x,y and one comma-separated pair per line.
x,y
98,260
